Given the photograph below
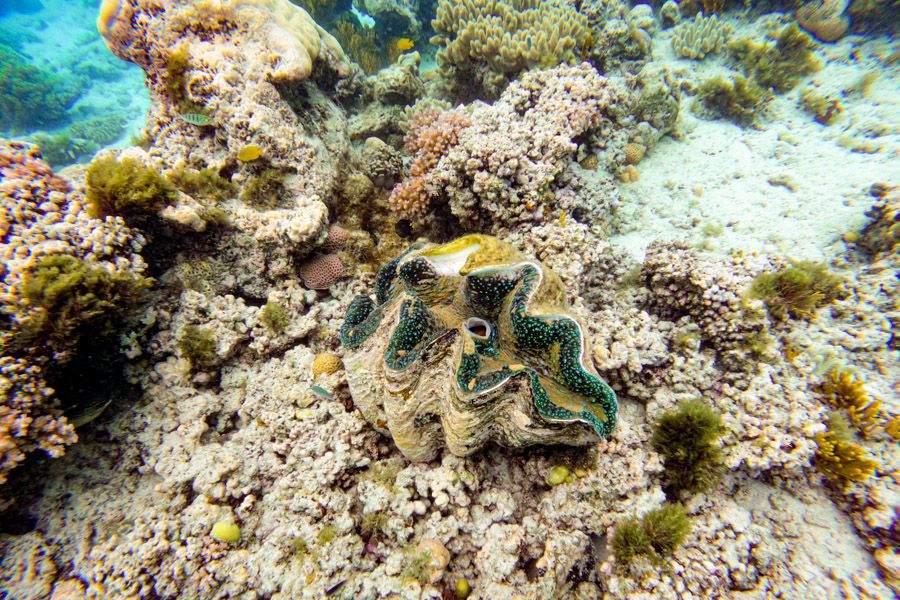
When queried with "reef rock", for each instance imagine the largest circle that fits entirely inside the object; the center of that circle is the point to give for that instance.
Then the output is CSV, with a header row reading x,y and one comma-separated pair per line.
x,y
471,342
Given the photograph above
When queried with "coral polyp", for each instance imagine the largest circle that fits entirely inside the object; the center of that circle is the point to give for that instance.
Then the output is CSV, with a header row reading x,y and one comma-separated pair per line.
x,y
468,343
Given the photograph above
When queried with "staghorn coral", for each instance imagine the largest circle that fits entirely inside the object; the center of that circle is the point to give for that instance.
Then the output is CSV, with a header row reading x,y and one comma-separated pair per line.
x,y
704,35
66,281
507,166
504,37
470,343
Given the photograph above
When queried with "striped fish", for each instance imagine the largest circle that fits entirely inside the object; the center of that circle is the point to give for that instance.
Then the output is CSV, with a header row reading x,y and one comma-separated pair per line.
x,y
198,119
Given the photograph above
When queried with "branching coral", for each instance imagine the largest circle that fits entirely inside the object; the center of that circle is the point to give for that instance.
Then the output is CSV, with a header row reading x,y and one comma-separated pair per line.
x,y
798,290
126,188
432,134
507,36
470,343
504,167
686,439
655,536
704,35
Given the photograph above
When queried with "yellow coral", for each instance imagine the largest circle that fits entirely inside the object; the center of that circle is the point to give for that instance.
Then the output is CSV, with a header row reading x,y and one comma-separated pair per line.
x,y
845,390
841,459
325,364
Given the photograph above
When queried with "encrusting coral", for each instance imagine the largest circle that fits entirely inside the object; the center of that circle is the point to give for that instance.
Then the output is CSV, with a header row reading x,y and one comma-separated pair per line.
x,y
469,343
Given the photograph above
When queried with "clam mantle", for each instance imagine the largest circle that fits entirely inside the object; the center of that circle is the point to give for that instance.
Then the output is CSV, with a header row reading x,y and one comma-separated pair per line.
x,y
468,343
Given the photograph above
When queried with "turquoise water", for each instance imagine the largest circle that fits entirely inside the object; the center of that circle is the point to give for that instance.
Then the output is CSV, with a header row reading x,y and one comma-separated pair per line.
x,y
435,299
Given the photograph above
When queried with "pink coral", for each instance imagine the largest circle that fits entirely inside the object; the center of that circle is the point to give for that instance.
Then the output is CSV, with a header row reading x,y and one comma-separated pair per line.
x,y
500,164
431,135
336,239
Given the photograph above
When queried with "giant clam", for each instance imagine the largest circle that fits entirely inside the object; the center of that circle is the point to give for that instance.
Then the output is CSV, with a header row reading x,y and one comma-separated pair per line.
x,y
470,343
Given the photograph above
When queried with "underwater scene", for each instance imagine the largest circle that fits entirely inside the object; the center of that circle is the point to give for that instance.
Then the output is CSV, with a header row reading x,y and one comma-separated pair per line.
x,y
448,299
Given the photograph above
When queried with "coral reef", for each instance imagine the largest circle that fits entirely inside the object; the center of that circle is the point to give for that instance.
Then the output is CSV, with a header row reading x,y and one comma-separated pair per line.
x,y
880,237
704,35
486,42
31,96
470,343
67,278
509,165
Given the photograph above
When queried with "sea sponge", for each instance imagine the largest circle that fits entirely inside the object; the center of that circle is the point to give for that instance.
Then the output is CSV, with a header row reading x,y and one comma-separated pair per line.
x,y
686,439
470,343
325,363
704,35
798,290
321,271
656,535
126,188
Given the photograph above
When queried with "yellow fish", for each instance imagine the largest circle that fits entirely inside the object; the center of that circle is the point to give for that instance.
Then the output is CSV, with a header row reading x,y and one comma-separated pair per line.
x,y
403,44
249,153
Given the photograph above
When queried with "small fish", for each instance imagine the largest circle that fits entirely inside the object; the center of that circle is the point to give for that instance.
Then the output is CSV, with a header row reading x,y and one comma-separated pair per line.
x,y
198,119
249,153
320,391
403,44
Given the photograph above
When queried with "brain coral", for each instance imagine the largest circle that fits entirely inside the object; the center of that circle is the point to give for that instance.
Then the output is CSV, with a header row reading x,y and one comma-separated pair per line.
x,y
468,343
